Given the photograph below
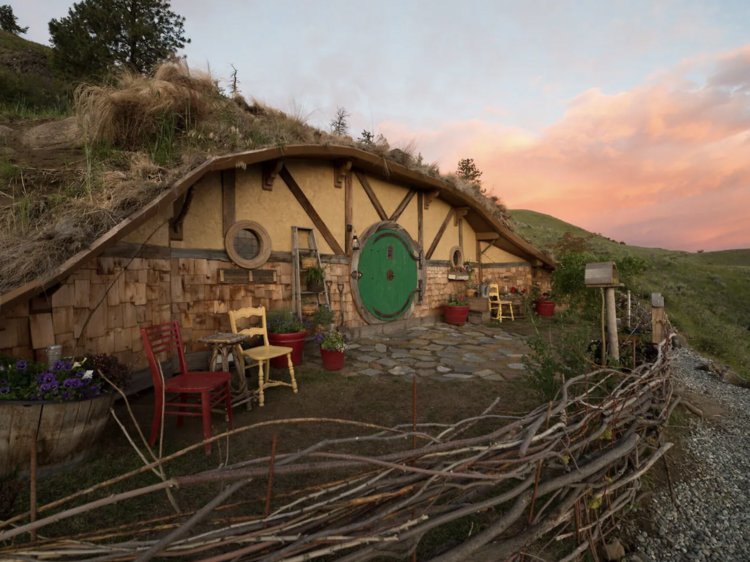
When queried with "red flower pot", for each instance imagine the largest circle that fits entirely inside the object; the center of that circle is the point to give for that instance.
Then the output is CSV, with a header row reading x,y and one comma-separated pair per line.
x,y
295,341
545,308
456,315
332,360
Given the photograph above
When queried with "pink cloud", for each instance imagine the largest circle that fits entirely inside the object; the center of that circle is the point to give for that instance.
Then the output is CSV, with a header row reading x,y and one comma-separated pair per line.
x,y
664,164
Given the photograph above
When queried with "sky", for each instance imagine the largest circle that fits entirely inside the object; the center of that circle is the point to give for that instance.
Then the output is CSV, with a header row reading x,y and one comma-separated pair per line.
x,y
627,118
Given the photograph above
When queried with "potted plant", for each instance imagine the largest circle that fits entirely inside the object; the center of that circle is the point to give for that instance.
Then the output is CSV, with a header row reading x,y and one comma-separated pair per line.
x,y
67,404
332,347
545,304
323,319
456,311
309,306
472,289
315,278
286,329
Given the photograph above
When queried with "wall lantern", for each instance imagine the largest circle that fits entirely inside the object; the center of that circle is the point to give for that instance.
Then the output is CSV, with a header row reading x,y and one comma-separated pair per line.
x,y
355,243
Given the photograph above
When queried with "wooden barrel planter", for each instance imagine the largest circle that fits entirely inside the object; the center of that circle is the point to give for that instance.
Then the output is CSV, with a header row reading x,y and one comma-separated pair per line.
x,y
68,432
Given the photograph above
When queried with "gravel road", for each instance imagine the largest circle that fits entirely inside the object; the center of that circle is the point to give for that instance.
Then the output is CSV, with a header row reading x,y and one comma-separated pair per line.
x,y
712,519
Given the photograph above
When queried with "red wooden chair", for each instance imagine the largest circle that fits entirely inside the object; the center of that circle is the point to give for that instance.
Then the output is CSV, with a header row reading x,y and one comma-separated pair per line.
x,y
212,387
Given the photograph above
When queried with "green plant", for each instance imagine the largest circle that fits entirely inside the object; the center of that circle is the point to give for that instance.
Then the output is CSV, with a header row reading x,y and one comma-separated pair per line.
x,y
285,322
9,21
323,316
457,301
332,340
316,275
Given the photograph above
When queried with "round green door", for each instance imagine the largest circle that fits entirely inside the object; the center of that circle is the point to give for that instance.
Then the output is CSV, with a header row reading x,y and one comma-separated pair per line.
x,y
388,281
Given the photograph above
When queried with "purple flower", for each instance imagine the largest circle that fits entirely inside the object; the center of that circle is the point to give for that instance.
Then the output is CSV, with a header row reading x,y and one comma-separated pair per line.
x,y
80,374
45,387
4,390
46,378
22,365
66,396
67,365
72,383
57,366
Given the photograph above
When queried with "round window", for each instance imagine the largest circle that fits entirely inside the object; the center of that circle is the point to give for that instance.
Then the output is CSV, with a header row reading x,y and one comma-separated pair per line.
x,y
248,244
457,256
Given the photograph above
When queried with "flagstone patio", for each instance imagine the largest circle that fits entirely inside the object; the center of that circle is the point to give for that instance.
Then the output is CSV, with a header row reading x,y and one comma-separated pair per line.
x,y
441,352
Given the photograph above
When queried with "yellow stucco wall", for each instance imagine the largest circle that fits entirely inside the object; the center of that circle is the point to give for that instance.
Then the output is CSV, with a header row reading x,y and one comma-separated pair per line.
x,y
203,226
154,232
496,255
278,210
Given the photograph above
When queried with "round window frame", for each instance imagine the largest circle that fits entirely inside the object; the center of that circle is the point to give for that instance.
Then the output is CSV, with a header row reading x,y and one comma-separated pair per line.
x,y
264,240
460,250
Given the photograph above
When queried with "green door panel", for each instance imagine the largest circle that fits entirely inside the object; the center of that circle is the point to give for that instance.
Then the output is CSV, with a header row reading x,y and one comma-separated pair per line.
x,y
389,275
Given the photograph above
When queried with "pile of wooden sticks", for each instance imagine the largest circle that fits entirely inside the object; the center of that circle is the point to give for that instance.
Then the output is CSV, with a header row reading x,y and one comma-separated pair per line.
x,y
563,471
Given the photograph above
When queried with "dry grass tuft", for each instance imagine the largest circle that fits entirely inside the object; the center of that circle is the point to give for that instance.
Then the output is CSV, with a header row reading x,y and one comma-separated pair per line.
x,y
137,107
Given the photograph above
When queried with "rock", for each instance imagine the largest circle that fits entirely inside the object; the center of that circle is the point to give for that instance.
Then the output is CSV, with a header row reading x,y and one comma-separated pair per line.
x,y
679,341
7,151
725,374
5,131
370,372
442,369
614,550
64,133
517,366
381,348
402,370
484,373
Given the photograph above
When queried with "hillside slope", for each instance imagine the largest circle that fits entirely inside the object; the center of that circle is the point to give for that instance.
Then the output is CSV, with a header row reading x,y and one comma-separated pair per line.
x,y
707,295
26,75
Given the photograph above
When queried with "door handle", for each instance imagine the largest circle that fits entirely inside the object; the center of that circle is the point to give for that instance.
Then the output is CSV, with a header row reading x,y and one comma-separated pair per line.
x,y
356,275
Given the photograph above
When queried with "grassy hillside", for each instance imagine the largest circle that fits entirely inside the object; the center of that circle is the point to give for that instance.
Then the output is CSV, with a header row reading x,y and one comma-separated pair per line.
x,y
707,295
28,84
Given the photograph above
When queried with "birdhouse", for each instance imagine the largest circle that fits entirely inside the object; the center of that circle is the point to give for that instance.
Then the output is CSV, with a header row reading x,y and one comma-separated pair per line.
x,y
601,274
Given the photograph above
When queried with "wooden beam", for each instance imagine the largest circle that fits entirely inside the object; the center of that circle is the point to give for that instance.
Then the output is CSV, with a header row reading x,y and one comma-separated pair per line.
x,y
228,199
479,260
348,214
440,232
420,231
371,194
460,212
428,198
461,234
487,236
402,206
271,169
341,172
311,212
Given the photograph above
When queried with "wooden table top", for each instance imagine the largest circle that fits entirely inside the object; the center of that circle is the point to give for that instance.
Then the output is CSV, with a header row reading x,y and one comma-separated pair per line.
x,y
223,338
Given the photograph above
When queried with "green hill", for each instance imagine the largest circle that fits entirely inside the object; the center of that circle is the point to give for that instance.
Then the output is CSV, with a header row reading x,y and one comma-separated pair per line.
x,y
707,294
27,79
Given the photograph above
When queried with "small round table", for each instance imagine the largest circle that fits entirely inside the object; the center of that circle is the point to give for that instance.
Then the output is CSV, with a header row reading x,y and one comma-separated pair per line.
x,y
224,344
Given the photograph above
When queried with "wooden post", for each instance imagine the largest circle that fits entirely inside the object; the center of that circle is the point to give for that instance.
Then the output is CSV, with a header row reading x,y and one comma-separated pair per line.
x,y
614,344
629,310
32,485
657,317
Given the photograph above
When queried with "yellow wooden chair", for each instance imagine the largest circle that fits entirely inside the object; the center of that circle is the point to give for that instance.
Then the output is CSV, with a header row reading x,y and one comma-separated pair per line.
x,y
263,354
496,305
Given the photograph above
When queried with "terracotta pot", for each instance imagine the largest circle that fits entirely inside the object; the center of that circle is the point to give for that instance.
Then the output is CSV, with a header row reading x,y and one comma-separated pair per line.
x,y
545,308
332,360
67,432
295,341
456,315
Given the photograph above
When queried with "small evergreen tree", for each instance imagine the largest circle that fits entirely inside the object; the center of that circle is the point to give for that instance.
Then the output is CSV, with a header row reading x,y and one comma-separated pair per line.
x,y
9,22
339,124
367,138
99,35
468,170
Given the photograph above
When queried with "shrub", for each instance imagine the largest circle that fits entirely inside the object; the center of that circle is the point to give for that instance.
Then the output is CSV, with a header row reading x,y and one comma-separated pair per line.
x,y
323,316
285,322
332,340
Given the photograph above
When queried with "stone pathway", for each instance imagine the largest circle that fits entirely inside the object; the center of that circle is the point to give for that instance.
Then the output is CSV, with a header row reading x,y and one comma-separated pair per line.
x,y
439,352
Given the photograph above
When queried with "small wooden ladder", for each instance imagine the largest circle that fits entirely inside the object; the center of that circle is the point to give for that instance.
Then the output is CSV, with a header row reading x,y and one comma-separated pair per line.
x,y
297,271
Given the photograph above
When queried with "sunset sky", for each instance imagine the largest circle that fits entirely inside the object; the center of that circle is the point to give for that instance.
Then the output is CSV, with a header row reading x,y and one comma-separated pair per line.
x,y
627,118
